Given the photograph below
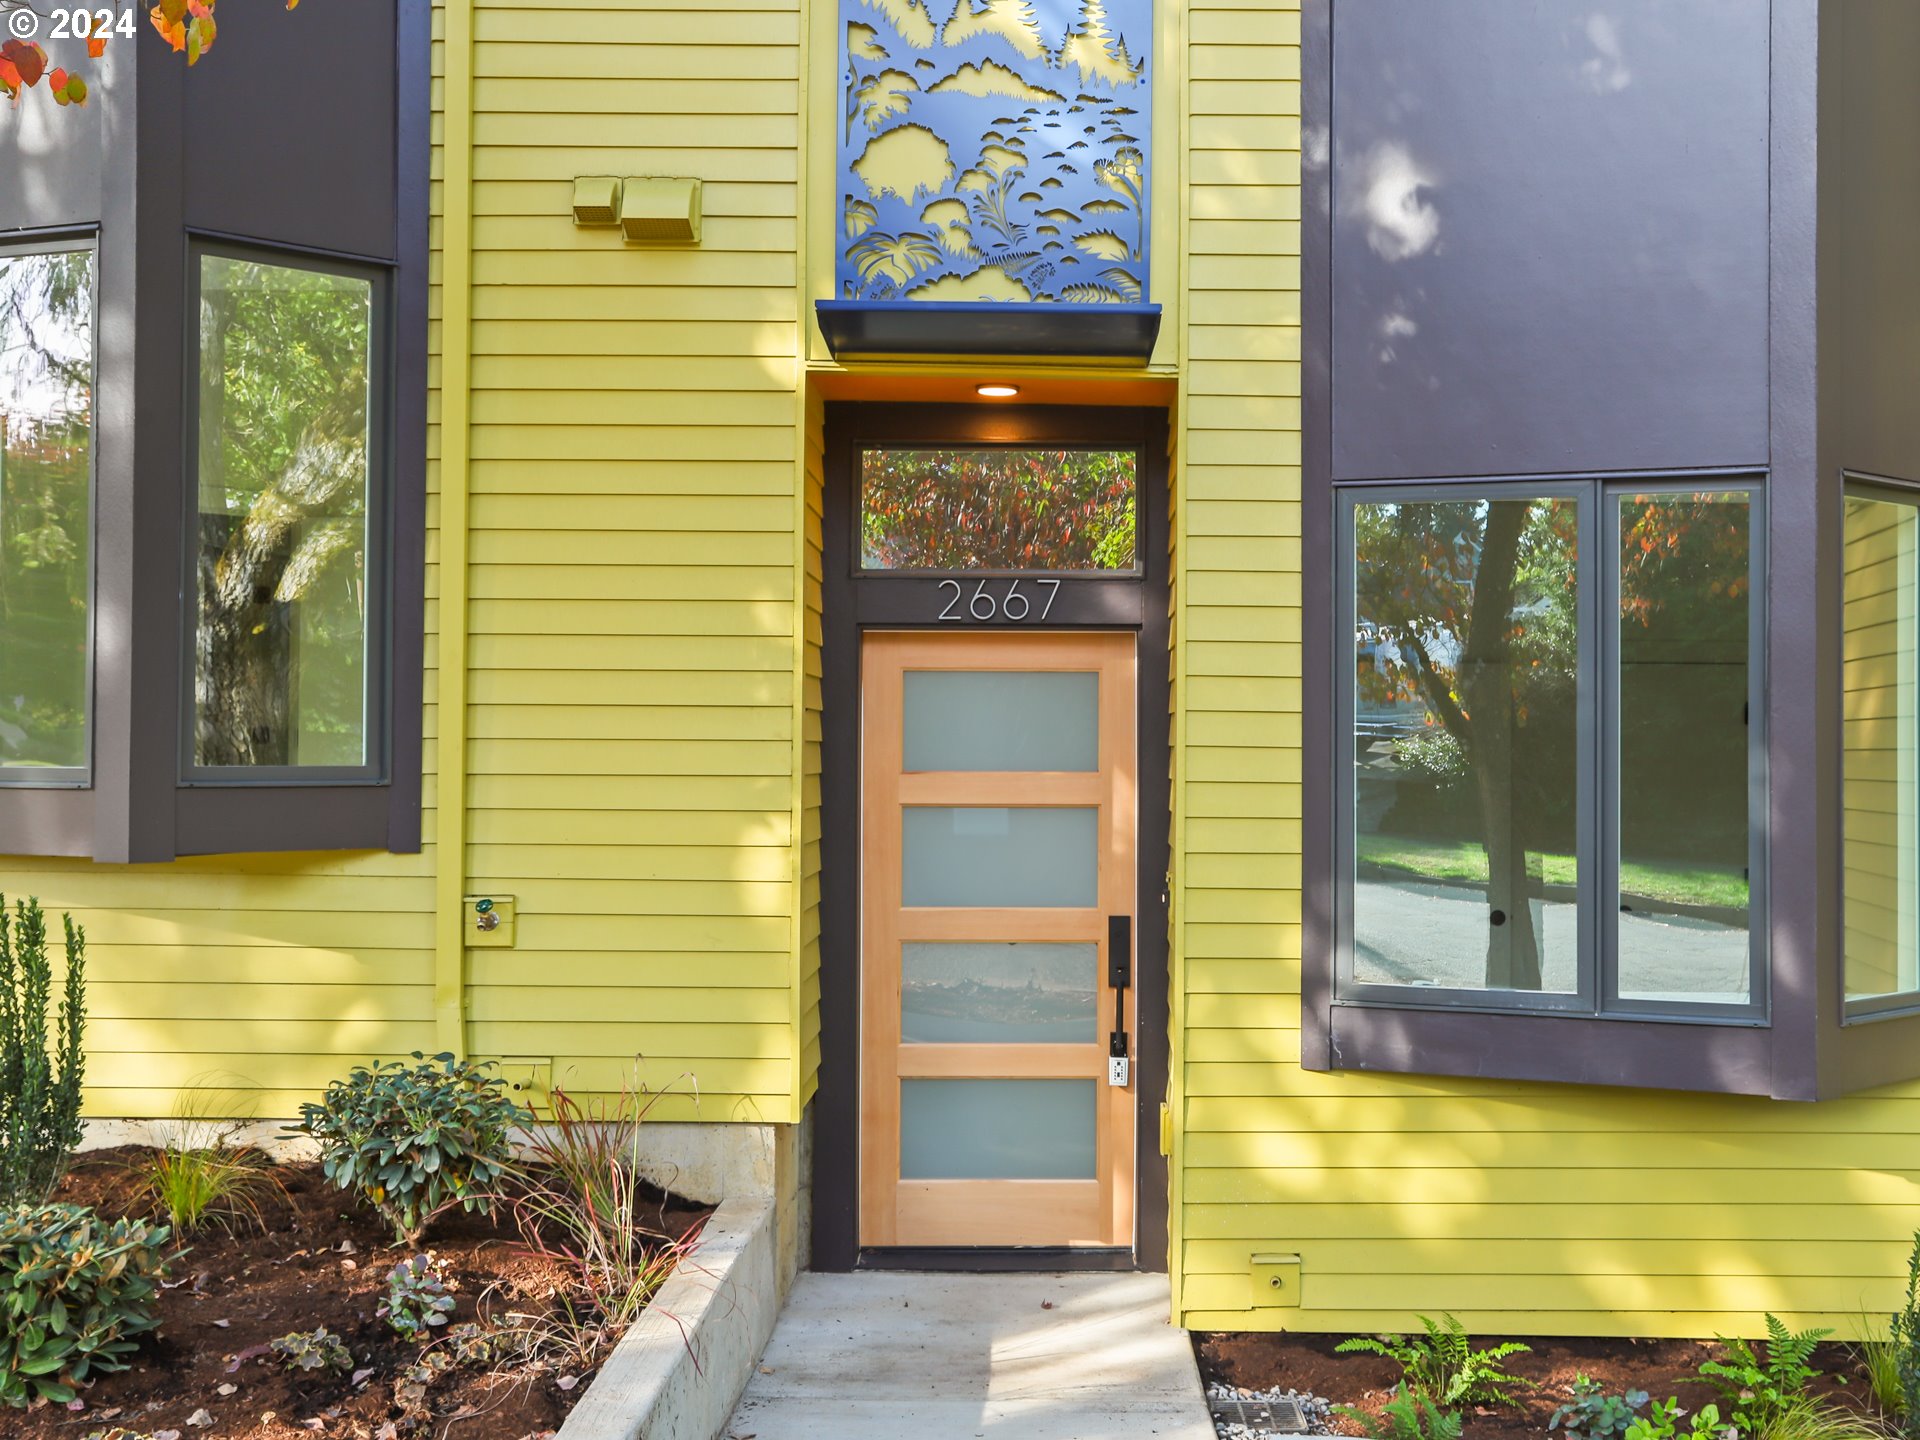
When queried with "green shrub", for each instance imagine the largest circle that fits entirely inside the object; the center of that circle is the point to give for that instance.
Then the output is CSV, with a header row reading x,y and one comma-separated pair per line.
x,y
1662,1422
312,1350
419,1296
1592,1414
1408,1416
77,1291
1904,1341
1435,756
415,1139
1757,1392
39,1093
1443,1363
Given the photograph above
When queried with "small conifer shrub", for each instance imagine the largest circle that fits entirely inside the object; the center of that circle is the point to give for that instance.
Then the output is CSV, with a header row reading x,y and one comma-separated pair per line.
x,y
39,1087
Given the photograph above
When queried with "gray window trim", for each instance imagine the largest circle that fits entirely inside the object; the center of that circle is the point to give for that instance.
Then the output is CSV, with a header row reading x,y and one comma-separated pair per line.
x,y
1889,491
63,241
1596,995
381,519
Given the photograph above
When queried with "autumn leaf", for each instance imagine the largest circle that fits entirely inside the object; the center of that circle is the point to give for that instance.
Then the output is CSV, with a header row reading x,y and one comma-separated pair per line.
x,y
200,31
96,46
170,20
22,63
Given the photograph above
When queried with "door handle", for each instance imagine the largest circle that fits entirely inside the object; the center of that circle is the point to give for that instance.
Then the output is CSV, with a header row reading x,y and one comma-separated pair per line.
x,y
1119,951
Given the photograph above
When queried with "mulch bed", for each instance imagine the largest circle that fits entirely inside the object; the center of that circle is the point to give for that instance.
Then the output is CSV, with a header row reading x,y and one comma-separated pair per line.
x,y
1662,1368
322,1260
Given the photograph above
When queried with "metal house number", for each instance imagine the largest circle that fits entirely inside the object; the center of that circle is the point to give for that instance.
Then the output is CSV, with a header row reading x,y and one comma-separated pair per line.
x,y
983,604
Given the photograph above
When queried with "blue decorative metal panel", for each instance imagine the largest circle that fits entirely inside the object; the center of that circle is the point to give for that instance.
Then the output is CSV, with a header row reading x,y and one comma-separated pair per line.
x,y
994,150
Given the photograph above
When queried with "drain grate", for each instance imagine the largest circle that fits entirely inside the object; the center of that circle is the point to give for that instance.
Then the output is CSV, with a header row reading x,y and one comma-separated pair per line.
x,y
1262,1417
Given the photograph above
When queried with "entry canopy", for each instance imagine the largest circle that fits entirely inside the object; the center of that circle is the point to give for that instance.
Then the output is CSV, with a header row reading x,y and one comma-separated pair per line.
x,y
993,180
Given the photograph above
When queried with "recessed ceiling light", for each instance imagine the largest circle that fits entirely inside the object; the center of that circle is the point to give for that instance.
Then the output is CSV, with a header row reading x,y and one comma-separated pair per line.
x,y
997,391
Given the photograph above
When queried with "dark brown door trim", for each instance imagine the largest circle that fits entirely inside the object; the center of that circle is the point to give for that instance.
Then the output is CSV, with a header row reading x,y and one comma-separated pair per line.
x,y
856,601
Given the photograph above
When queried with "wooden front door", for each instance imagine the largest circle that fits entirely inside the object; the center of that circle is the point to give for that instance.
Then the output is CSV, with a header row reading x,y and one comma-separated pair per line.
x,y
998,878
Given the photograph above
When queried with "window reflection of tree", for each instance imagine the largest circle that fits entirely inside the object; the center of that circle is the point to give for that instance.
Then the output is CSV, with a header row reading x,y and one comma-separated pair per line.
x,y
281,626
1477,598
998,509
46,420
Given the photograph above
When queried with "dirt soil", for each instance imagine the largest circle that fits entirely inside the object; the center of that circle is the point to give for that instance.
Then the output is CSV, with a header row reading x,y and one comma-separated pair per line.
x,y
1662,1368
322,1260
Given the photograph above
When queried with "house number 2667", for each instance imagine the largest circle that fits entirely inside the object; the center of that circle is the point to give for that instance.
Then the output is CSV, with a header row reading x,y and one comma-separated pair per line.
x,y
983,604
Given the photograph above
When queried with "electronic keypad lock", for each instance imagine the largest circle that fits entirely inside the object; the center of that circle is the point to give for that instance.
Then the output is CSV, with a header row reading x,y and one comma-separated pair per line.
x,y
1120,978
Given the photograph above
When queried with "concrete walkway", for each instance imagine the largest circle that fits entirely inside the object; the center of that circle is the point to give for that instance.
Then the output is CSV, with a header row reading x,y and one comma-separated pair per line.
x,y
962,1357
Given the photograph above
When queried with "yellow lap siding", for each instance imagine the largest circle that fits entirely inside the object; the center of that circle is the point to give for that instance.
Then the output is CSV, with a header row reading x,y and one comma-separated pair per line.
x,y
223,983
634,615
810,520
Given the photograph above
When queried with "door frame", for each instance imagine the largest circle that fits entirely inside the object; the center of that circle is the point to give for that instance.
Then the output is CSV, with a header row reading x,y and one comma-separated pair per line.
x,y
855,602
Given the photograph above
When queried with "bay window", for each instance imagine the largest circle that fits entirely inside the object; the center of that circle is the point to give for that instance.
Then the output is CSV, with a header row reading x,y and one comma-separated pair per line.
x,y
1550,800
213,422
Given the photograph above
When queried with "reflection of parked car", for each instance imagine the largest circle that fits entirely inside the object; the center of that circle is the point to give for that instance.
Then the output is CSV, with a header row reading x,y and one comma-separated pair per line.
x,y
1379,724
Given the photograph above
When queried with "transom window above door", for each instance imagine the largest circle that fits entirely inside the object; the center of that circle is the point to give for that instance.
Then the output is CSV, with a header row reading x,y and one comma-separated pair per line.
x,y
998,509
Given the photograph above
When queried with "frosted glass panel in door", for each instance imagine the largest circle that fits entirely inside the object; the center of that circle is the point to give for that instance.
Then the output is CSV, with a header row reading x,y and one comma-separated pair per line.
x,y
999,993
1000,856
997,1129
1002,720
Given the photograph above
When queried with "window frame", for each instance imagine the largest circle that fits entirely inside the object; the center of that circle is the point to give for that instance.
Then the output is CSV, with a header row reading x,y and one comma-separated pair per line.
x,y
1887,491
1598,729
65,241
1758,1008
1347,499
380,511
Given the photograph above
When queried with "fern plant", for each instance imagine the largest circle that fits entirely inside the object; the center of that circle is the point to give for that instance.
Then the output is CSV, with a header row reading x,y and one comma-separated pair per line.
x,y
1408,1416
1443,1363
39,1091
1759,1392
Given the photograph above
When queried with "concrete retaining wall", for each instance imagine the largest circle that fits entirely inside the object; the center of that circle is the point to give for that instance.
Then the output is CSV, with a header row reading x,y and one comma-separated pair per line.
x,y
678,1373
